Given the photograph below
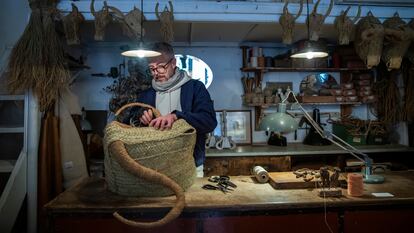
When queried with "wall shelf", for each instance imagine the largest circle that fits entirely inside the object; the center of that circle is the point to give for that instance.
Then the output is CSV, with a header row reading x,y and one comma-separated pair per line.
x,y
333,103
346,107
290,69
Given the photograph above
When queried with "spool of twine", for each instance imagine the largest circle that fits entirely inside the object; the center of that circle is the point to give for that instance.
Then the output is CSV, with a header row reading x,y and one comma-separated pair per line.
x,y
262,176
253,62
261,62
355,185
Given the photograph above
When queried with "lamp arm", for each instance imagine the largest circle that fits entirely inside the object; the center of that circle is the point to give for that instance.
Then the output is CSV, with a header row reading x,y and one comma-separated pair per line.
x,y
325,134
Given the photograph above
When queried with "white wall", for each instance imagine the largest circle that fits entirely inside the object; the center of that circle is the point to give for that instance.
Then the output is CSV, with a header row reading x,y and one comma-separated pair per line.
x,y
13,17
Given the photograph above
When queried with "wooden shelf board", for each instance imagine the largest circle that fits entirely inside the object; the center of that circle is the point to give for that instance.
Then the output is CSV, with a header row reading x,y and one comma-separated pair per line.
x,y
298,149
334,103
290,69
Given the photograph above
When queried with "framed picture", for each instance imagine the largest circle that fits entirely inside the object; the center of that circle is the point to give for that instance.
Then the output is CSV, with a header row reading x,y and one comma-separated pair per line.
x,y
377,2
239,125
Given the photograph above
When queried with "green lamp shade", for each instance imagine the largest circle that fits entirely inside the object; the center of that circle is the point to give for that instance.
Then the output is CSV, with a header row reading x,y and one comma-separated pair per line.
x,y
279,122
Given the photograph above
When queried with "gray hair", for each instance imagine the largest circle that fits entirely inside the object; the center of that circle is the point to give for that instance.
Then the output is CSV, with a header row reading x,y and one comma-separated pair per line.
x,y
164,48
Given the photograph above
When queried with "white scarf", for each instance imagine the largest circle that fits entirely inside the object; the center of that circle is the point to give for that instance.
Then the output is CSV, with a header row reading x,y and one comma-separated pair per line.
x,y
168,93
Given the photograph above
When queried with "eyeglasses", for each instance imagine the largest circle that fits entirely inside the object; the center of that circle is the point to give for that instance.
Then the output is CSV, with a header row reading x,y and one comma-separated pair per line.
x,y
161,69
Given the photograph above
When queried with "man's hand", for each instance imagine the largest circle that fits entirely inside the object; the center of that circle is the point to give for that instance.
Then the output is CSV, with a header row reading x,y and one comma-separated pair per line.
x,y
146,117
163,122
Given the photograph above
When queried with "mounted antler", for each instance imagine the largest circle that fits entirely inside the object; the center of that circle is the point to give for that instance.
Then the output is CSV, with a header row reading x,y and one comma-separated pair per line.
x,y
171,7
93,8
166,19
369,36
131,22
358,15
316,20
71,24
328,11
102,19
344,26
397,39
315,8
410,53
287,21
346,11
156,10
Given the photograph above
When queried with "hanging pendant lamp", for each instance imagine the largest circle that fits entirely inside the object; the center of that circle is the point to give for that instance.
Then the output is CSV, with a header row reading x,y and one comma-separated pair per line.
x,y
311,49
141,51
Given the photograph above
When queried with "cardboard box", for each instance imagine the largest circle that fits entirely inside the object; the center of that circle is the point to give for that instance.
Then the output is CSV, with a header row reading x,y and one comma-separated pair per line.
x,y
282,62
376,140
342,132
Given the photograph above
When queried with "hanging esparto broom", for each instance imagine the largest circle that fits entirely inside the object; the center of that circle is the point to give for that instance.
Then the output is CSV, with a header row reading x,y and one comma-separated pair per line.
x,y
37,60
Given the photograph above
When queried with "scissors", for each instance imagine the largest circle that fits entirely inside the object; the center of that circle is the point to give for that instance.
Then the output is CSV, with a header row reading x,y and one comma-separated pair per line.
x,y
213,187
222,180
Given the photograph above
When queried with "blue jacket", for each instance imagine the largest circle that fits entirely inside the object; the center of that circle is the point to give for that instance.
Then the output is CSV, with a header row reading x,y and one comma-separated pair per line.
x,y
197,109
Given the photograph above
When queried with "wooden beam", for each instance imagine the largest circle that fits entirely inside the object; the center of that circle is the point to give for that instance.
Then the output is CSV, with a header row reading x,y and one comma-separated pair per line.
x,y
240,11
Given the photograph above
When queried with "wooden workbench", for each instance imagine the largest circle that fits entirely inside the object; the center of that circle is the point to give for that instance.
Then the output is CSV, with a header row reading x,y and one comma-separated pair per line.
x,y
252,207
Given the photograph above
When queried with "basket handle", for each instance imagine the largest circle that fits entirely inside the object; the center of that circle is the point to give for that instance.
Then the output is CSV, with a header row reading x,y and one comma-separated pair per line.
x,y
154,110
118,150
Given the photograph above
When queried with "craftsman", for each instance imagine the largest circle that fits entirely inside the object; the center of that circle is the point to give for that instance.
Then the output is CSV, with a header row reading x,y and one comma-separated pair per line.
x,y
177,96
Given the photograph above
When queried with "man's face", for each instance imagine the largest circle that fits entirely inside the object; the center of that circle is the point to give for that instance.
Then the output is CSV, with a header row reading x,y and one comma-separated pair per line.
x,y
162,67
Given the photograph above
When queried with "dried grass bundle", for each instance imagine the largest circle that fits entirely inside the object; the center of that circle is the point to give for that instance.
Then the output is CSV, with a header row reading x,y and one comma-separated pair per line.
x,y
408,77
37,60
388,107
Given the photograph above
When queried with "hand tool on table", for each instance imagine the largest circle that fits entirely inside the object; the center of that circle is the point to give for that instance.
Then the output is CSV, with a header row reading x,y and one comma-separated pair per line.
x,y
213,187
222,180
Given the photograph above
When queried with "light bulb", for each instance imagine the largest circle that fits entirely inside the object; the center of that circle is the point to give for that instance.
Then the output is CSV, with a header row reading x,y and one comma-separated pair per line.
x,y
140,53
309,55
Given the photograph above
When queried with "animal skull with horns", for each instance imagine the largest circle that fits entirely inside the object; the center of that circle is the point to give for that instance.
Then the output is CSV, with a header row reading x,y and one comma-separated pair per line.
x,y
410,52
287,21
397,39
369,36
71,24
166,18
102,19
316,20
345,26
131,22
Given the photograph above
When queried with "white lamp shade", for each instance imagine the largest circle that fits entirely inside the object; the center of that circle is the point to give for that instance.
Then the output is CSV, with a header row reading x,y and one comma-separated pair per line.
x,y
140,52
309,54
309,51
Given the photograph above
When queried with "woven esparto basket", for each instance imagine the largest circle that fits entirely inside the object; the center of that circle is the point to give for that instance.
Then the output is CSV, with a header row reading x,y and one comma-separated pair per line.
x,y
149,162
